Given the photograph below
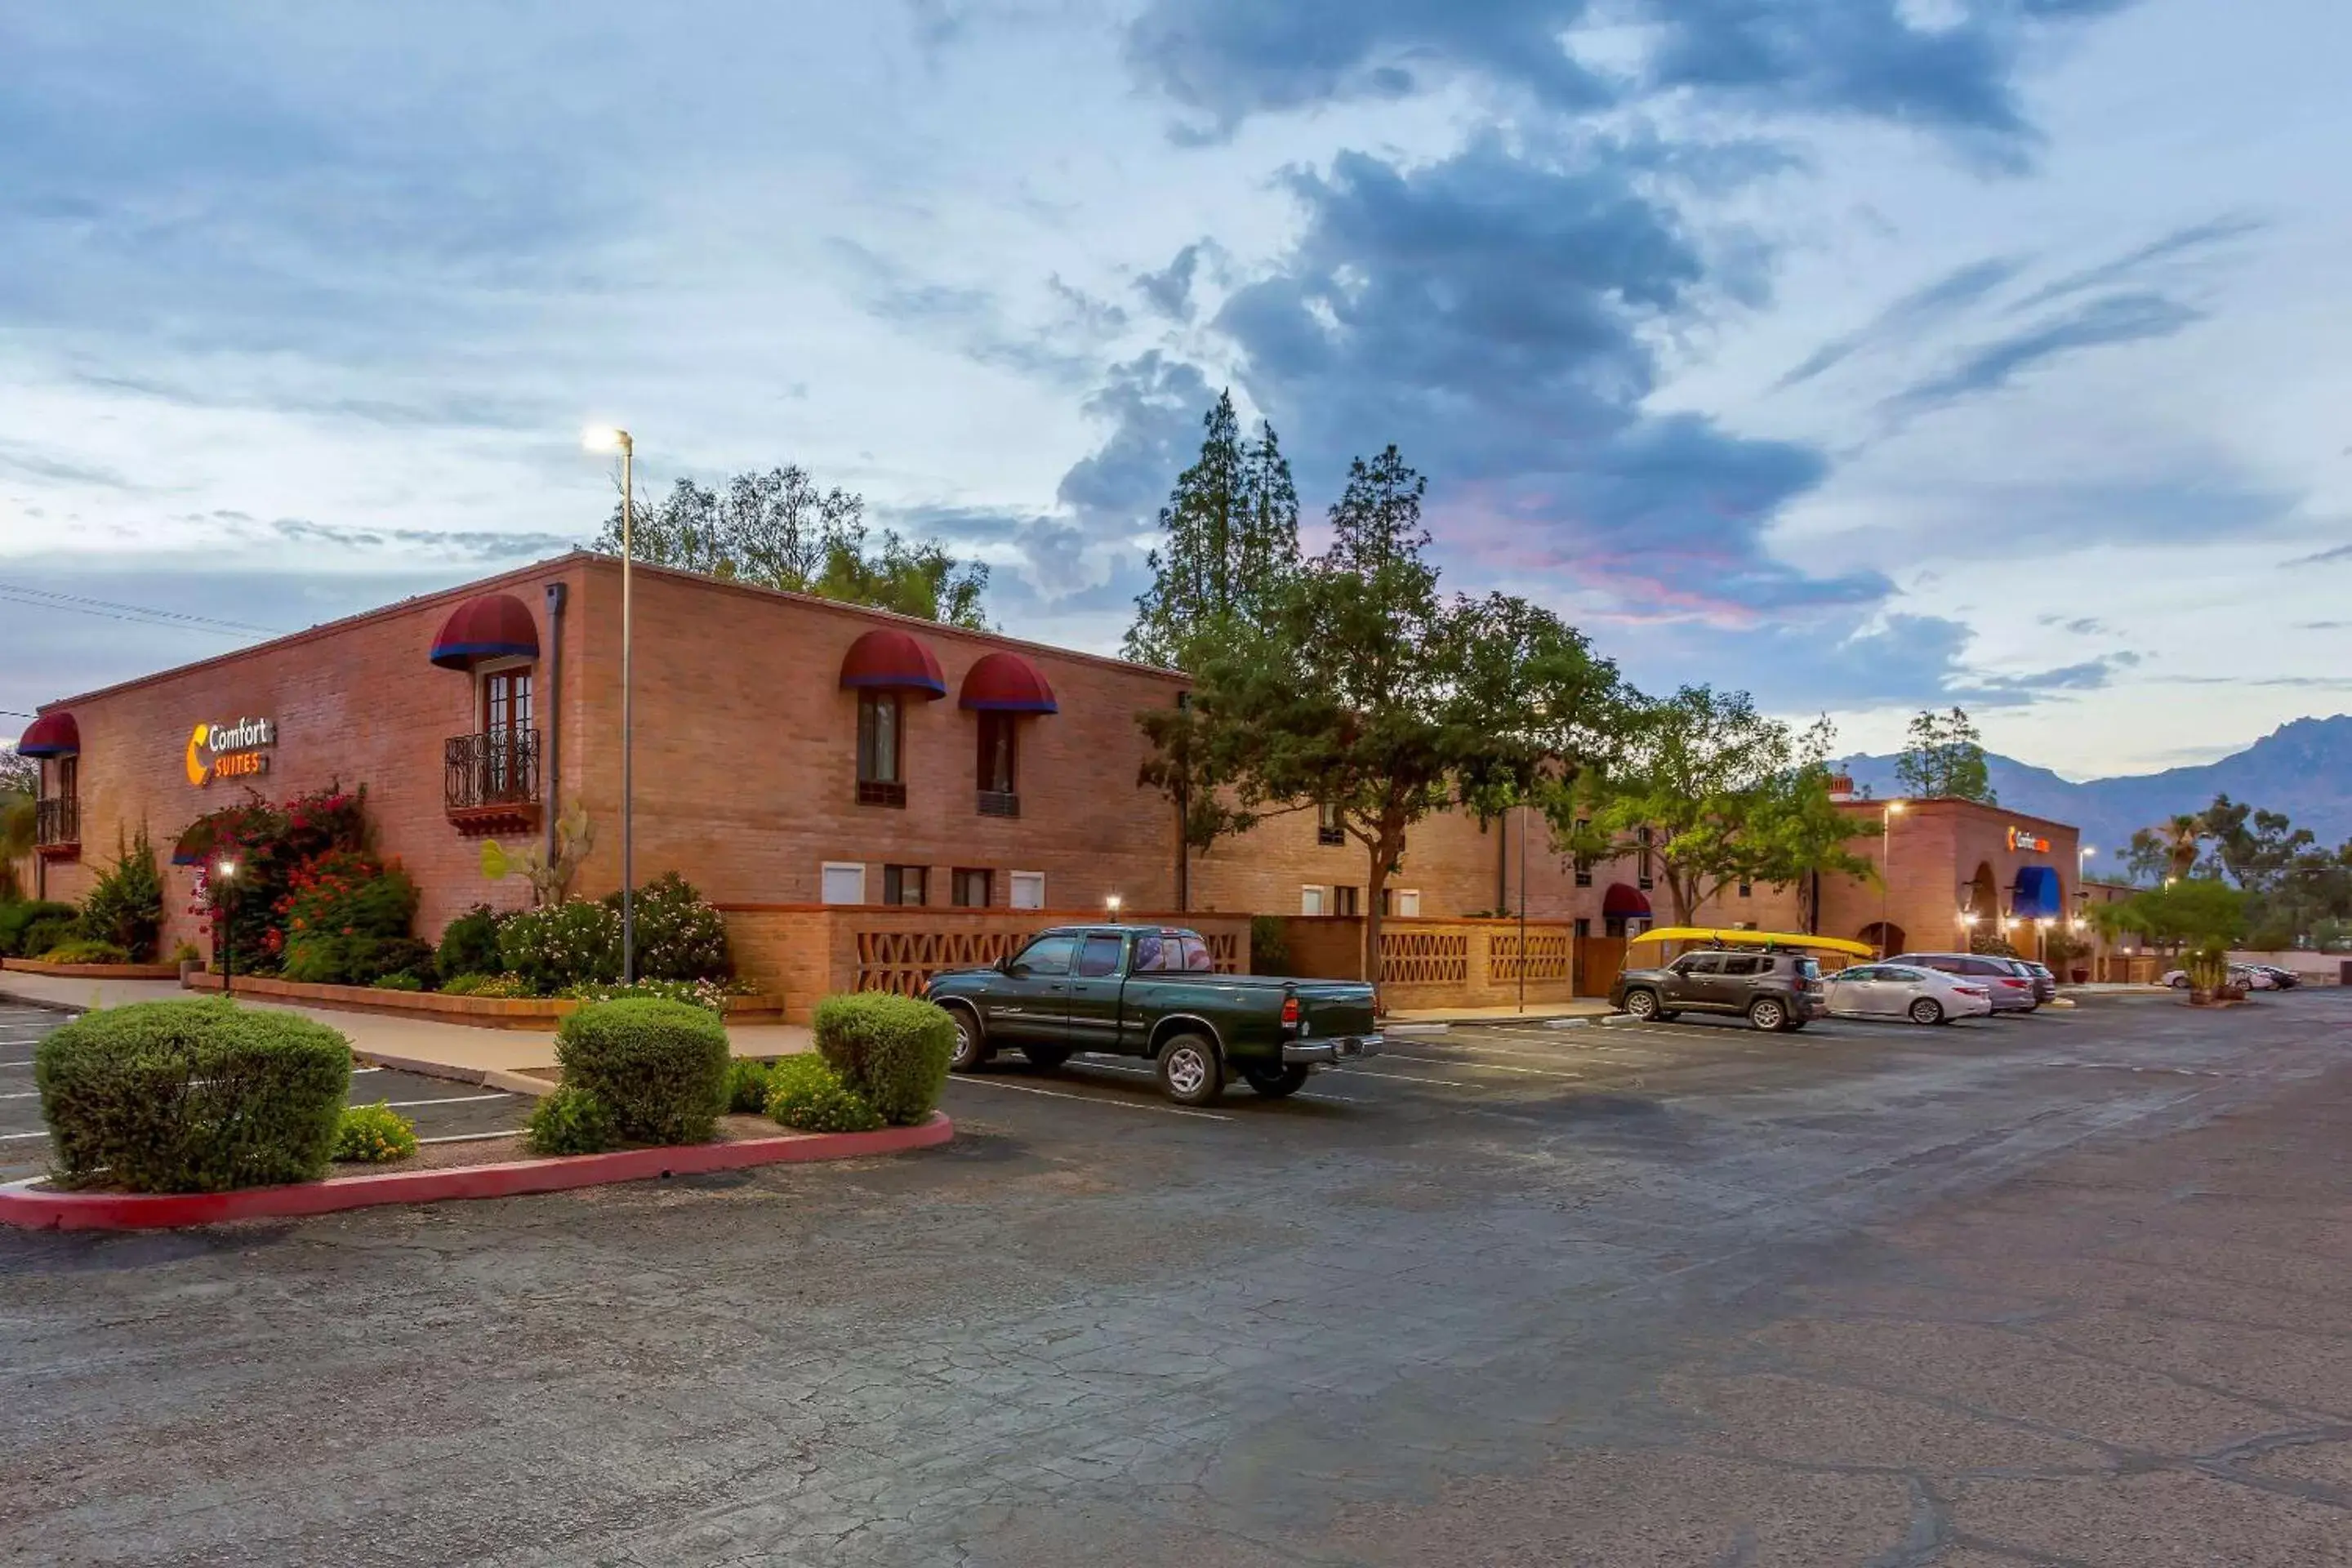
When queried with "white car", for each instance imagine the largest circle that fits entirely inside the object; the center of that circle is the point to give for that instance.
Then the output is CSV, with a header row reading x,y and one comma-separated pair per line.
x,y
1905,991
2252,978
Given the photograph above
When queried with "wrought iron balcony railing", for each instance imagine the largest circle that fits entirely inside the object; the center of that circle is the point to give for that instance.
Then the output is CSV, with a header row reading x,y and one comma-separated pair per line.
x,y
498,768
57,823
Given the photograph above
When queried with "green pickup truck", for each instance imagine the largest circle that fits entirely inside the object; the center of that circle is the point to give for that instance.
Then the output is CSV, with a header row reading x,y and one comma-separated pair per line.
x,y
1153,992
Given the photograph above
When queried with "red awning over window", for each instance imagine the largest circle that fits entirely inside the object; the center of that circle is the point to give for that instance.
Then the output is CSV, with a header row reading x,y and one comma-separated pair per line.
x,y
1006,683
53,734
197,842
488,625
887,660
1624,903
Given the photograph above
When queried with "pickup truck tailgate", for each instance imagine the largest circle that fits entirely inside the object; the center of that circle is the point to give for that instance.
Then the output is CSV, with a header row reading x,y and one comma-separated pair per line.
x,y
1334,1007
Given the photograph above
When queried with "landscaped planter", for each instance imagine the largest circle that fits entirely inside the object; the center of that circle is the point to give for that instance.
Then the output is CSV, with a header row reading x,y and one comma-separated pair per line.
x,y
481,1012
93,970
31,1208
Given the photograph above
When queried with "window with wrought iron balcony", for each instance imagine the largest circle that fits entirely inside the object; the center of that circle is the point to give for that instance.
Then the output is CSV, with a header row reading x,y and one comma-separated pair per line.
x,y
490,781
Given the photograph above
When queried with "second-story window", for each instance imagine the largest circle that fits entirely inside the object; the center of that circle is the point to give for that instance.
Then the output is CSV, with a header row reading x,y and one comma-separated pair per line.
x,y
998,772
1583,862
1327,829
880,781
1642,866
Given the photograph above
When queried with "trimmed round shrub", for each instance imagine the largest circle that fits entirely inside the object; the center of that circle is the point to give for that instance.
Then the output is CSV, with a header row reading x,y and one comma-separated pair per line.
x,y
808,1095
373,1134
569,1122
891,1052
660,1068
191,1096
16,920
469,944
747,1086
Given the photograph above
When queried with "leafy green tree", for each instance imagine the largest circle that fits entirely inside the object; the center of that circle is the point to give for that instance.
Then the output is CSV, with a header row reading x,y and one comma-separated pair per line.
x,y
1229,541
2170,850
1361,688
2194,911
2255,848
1722,793
780,531
1945,759
20,788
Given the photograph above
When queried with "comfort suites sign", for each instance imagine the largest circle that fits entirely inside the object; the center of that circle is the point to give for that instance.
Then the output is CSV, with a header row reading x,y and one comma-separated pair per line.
x,y
240,749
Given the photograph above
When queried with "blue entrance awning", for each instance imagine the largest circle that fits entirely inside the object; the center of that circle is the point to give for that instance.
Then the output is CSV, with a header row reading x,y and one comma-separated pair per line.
x,y
2037,896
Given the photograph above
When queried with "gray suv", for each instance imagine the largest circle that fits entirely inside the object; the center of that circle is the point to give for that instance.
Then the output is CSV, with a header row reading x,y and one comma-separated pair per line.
x,y
1771,990
2011,983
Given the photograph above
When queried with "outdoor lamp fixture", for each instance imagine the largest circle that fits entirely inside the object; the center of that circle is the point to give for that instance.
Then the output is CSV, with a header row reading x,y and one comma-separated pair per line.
x,y
1112,903
225,872
611,439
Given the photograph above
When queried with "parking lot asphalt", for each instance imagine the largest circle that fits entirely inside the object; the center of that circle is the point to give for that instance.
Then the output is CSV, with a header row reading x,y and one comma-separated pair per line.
x,y
439,1109
2067,1288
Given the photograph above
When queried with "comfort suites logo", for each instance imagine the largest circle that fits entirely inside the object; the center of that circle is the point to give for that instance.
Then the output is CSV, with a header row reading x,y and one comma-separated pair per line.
x,y
2019,838
237,750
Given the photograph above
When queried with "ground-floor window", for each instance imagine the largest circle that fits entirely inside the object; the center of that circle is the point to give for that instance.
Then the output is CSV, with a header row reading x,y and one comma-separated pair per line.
x,y
1583,929
904,884
1402,902
1028,889
1310,899
973,888
1347,900
843,882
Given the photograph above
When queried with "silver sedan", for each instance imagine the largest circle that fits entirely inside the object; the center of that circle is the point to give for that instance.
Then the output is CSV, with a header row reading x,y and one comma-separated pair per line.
x,y
1904,991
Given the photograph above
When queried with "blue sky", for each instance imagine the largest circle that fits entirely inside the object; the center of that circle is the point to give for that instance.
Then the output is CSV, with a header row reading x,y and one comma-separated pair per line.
x,y
1868,353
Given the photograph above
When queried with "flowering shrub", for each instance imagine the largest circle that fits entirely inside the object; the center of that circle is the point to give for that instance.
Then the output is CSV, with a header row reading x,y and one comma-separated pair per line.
x,y
566,944
709,993
373,1133
268,842
808,1095
347,892
507,987
679,937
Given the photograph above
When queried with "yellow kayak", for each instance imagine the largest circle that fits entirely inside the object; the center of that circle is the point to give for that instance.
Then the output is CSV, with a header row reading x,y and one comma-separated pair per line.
x,y
1755,938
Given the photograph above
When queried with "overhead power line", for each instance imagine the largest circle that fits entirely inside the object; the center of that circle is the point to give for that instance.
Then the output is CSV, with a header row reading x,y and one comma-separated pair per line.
x,y
137,615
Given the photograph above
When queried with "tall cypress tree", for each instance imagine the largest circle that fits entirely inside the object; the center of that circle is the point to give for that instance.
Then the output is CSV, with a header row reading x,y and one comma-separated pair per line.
x,y
1231,534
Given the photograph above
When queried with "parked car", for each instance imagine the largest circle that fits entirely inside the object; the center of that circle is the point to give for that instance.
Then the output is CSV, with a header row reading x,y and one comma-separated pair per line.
x,y
2284,979
2045,983
1772,990
1909,991
1153,992
2252,976
2012,988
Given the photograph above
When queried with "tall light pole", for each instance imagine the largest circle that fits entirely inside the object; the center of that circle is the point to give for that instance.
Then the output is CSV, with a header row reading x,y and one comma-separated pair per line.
x,y
1885,865
609,439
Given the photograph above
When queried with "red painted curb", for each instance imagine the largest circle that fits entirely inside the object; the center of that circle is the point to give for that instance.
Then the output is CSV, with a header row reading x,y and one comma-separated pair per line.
x,y
516,1178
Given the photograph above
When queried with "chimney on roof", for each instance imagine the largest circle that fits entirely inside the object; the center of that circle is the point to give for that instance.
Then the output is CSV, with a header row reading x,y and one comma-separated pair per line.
x,y
1841,786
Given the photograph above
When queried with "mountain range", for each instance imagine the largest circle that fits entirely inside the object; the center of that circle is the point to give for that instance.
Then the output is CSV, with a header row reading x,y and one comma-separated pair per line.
x,y
2302,768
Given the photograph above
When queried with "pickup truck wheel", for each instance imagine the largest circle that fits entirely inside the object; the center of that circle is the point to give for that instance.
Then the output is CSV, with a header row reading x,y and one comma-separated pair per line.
x,y
972,1048
1190,1073
1046,1057
1766,1012
1273,1083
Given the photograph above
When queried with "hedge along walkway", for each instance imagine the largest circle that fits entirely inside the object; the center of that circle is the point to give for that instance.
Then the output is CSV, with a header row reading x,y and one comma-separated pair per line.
x,y
518,1060
33,1209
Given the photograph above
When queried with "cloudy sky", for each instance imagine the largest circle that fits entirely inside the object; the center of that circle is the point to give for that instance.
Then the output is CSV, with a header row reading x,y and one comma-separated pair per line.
x,y
1868,353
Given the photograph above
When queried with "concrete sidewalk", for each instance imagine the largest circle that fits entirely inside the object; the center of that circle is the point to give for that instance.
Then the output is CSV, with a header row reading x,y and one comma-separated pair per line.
x,y
500,1058
1583,1007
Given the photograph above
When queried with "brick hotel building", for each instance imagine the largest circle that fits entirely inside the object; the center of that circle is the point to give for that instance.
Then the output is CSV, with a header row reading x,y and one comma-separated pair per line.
x,y
795,755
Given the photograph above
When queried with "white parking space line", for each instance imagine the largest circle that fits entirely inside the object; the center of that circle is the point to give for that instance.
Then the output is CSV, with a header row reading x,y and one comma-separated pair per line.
x,y
1471,1065
447,1100
356,1072
15,1137
1408,1078
25,1063
1085,1098
27,1094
